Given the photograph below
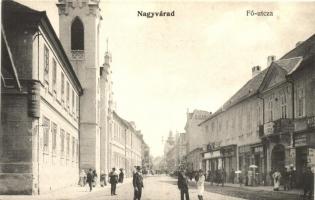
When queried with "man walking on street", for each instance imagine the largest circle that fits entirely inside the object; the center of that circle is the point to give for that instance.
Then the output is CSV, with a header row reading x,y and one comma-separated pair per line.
x,y
137,183
182,184
113,179
89,179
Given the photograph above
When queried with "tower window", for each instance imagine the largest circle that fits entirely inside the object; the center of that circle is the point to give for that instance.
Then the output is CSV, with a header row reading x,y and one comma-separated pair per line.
x,y
77,35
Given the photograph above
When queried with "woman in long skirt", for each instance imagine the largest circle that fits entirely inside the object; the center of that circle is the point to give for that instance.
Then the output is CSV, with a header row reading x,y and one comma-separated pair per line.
x,y
276,180
201,184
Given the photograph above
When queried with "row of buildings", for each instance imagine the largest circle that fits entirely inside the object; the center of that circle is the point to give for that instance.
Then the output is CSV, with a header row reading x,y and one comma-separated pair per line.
x,y
57,109
267,125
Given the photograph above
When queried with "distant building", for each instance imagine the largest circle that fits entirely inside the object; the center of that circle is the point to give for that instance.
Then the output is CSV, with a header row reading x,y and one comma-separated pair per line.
x,y
169,143
194,133
125,145
40,136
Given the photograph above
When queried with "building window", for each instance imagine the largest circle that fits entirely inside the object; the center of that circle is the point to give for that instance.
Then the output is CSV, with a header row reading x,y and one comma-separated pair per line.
x,y
73,102
300,102
54,75
68,145
270,109
283,105
54,137
68,94
77,35
62,141
46,64
62,86
73,148
46,125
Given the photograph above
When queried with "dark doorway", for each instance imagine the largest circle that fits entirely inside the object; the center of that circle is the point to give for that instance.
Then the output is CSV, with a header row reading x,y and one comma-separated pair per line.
x,y
278,157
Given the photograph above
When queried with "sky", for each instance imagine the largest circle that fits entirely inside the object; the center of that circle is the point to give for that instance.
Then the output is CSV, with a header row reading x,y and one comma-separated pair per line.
x,y
197,59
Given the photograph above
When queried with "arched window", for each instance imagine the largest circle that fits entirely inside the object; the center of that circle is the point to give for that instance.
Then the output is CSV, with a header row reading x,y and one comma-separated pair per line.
x,y
77,35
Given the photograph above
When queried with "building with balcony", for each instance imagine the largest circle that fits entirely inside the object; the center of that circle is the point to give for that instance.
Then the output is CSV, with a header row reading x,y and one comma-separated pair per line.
x,y
269,122
40,122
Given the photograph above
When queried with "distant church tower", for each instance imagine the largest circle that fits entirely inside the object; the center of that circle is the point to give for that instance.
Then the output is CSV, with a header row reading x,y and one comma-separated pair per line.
x,y
79,26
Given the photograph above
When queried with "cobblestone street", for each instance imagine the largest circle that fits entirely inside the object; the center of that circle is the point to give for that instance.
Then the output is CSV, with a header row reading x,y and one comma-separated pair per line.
x,y
159,188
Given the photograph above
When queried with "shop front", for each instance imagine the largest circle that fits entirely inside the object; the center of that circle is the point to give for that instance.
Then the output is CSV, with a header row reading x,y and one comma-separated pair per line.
x,y
212,160
303,140
258,164
229,162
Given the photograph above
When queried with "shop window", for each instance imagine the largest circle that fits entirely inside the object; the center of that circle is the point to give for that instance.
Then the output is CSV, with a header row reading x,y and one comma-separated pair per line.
x,y
77,35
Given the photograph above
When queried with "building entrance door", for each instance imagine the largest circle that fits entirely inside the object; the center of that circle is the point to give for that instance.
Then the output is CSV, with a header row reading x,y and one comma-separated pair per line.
x,y
278,157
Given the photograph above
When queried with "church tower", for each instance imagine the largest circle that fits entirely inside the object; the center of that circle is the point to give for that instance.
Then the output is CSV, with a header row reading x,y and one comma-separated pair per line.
x,y
79,26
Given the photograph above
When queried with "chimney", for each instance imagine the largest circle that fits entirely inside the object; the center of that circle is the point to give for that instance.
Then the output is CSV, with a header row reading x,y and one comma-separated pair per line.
x,y
270,59
255,71
298,43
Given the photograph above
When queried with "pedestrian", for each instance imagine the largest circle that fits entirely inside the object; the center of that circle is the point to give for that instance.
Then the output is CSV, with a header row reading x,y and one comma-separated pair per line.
x,y
82,180
182,184
94,178
212,177
200,184
137,183
308,183
232,175
223,175
285,179
113,180
121,176
276,180
103,179
89,178
292,176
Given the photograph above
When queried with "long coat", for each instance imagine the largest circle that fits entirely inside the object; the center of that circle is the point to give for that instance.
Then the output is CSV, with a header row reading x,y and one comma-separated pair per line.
x,y
137,181
182,182
201,185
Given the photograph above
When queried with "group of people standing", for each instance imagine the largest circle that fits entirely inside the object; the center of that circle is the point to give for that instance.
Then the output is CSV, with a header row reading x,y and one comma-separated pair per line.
x,y
114,177
288,179
182,184
91,178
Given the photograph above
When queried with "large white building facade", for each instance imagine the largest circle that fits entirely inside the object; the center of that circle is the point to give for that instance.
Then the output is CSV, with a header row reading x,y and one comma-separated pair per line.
x,y
40,122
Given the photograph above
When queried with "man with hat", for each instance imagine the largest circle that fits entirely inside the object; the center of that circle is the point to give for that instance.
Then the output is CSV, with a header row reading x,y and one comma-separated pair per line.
x,y
113,179
137,183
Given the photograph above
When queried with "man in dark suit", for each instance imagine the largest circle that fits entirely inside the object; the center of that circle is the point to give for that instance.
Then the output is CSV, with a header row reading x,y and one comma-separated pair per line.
x,y
137,183
182,184
113,179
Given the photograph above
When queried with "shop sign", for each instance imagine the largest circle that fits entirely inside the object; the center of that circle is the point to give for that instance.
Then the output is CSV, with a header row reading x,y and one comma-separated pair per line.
x,y
269,128
311,157
212,154
300,140
258,149
311,122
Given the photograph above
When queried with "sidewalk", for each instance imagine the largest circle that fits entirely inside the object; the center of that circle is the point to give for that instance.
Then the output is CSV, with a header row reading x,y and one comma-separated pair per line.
x,y
260,188
68,193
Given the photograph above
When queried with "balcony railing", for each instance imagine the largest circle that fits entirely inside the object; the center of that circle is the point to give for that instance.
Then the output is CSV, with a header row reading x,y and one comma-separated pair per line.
x,y
305,123
276,127
77,54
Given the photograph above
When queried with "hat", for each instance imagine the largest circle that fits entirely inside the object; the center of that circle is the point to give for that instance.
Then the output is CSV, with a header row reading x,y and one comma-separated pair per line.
x,y
138,167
